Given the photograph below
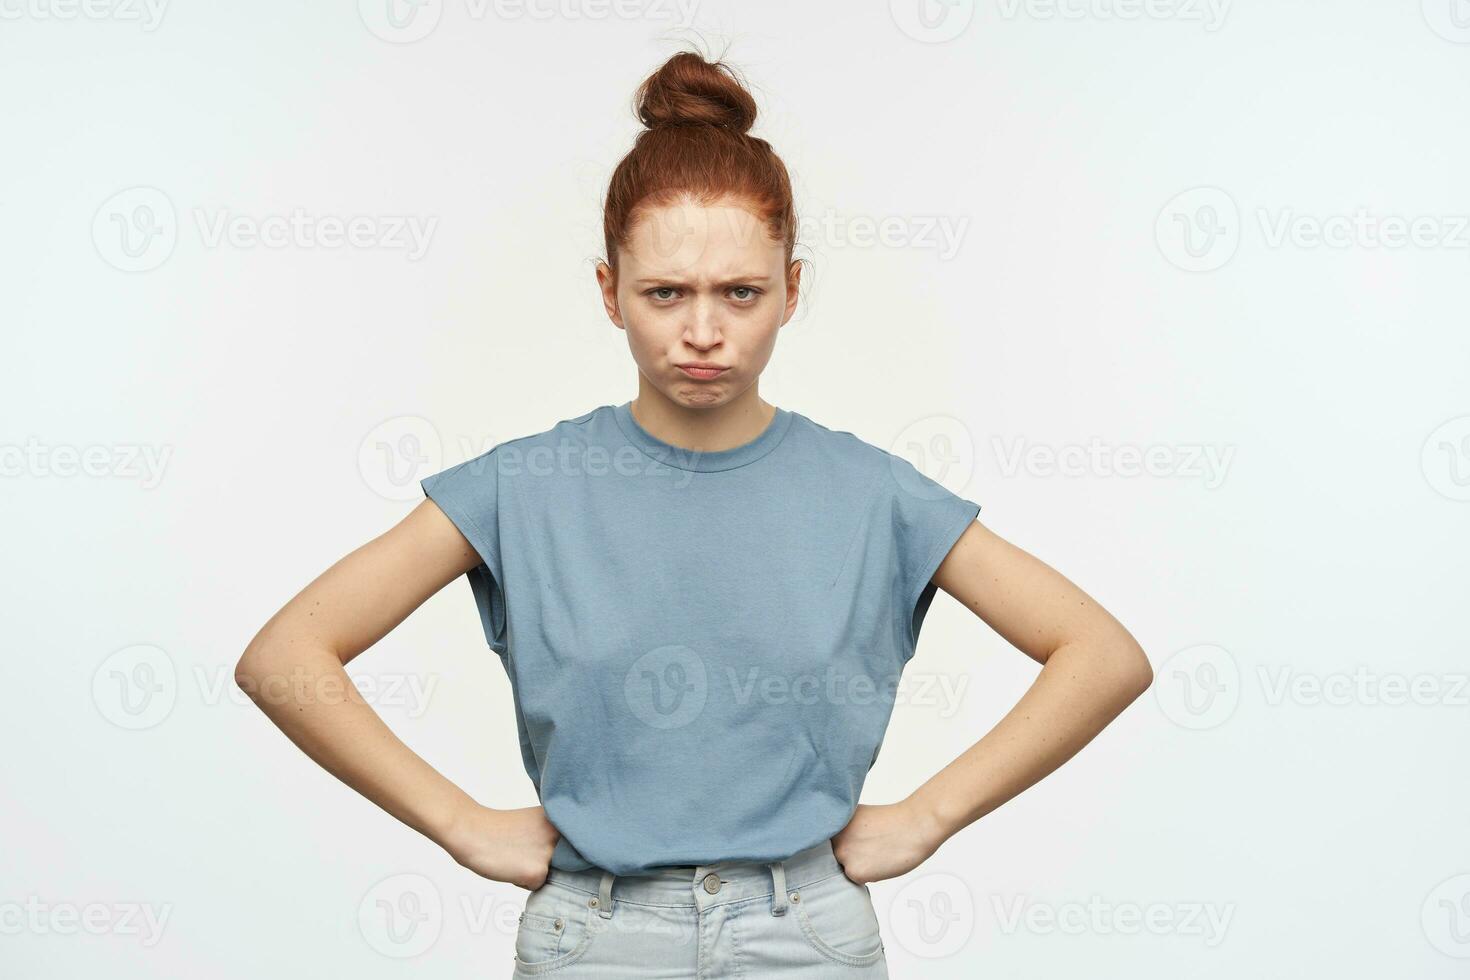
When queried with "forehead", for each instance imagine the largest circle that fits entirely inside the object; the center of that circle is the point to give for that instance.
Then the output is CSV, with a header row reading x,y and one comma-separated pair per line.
x,y
690,239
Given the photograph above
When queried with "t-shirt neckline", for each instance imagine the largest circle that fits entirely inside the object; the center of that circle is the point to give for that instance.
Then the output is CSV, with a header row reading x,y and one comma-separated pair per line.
x,y
693,459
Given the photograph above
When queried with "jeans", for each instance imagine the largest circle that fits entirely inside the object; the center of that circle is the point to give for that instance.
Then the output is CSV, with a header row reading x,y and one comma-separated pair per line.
x,y
801,917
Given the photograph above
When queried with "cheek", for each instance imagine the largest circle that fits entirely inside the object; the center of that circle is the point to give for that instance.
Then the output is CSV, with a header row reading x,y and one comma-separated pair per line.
x,y
767,341
643,339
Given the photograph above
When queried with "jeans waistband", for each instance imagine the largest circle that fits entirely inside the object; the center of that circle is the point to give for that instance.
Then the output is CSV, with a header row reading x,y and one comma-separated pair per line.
x,y
703,886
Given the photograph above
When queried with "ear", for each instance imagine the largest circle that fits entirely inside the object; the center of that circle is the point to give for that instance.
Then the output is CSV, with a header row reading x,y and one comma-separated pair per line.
x,y
607,284
793,289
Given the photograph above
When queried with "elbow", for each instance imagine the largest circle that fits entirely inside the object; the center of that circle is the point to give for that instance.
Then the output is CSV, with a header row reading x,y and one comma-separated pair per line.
x,y
1135,672
276,664
248,671
258,666
1116,666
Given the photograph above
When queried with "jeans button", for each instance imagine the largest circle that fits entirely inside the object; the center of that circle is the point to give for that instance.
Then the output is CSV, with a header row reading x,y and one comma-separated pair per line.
x,y
711,882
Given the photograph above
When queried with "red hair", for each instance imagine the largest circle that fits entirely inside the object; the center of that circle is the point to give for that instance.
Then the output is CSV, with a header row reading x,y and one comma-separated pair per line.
x,y
697,146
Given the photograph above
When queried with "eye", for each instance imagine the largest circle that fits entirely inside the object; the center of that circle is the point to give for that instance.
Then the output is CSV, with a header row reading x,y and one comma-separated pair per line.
x,y
661,289
754,293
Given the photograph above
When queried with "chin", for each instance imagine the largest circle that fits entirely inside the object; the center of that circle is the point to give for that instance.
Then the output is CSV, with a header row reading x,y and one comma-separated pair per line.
x,y
698,394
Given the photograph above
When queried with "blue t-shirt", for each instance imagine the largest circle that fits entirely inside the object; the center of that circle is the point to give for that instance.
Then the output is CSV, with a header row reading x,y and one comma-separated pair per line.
x,y
703,647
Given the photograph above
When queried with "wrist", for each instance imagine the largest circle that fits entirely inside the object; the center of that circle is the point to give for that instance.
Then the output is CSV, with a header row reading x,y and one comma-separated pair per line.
x,y
446,825
928,818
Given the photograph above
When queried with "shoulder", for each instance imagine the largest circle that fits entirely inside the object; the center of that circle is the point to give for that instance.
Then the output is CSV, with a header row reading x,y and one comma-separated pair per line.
x,y
511,456
890,478
579,430
856,458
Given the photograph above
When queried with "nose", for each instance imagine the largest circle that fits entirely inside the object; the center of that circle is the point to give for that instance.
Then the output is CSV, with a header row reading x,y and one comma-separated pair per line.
x,y
702,331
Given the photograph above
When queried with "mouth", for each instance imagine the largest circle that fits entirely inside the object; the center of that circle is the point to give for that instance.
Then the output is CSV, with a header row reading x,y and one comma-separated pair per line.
x,y
702,371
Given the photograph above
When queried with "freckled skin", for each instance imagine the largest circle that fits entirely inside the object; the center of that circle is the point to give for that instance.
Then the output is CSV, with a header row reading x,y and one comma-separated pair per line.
x,y
723,291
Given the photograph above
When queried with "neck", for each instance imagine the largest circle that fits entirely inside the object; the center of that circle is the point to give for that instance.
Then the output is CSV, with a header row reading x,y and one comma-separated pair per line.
x,y
702,428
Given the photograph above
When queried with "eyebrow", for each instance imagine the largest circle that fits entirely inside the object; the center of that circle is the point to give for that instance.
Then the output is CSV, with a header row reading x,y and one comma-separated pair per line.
x,y
659,281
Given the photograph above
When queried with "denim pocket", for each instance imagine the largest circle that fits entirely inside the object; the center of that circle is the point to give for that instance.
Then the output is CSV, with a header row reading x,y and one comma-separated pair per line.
x,y
837,918
556,927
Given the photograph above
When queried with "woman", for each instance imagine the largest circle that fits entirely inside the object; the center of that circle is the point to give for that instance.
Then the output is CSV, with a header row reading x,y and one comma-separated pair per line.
x,y
702,602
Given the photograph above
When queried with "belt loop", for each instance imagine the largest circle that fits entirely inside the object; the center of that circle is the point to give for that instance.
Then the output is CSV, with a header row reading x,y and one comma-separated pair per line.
x,y
604,895
778,888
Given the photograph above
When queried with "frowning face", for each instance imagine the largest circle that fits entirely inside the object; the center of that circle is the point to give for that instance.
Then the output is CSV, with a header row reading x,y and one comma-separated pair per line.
x,y
701,292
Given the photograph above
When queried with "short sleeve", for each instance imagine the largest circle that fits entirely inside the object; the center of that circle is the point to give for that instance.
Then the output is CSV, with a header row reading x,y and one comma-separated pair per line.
x,y
927,519
469,495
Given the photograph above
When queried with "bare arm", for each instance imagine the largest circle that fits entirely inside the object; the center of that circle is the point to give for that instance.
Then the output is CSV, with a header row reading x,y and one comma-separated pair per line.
x,y
1092,668
294,671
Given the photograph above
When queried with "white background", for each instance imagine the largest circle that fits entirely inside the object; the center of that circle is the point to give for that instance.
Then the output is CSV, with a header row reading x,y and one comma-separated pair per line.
x,y
1135,199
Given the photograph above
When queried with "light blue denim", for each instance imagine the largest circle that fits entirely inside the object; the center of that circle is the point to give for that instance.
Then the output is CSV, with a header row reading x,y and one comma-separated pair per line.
x,y
801,918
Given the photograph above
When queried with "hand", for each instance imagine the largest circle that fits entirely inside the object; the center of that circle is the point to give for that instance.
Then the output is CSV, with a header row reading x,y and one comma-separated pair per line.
x,y
885,841
503,845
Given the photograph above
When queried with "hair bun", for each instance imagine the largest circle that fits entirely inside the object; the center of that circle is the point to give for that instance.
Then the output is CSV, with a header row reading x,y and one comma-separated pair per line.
x,y
686,90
